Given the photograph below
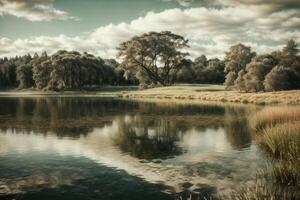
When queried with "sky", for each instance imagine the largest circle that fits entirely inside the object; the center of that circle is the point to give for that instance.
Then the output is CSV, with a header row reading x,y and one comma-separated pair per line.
x,y
99,26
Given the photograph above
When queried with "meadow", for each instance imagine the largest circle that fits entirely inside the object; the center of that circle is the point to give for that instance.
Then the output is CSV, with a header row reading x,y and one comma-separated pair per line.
x,y
210,92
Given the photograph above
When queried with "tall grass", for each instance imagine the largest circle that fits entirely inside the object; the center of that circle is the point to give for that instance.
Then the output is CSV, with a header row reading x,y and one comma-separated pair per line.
x,y
264,189
277,130
282,140
270,116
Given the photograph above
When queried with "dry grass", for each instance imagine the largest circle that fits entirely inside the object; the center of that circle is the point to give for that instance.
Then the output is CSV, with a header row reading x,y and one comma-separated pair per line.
x,y
283,140
279,136
270,116
215,93
282,143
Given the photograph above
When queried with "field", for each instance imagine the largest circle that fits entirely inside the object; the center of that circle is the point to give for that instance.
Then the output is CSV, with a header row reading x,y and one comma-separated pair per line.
x,y
206,92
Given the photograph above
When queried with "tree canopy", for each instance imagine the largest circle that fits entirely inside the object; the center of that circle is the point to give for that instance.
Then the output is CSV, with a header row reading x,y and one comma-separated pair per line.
x,y
152,56
153,59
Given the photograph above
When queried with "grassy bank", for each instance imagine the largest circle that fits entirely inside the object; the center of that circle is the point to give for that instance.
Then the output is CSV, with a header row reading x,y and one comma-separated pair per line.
x,y
107,90
206,92
202,92
277,130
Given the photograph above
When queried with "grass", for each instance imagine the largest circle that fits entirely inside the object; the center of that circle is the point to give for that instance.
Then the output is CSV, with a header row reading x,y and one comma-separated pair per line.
x,y
105,90
282,143
265,190
199,92
272,116
208,92
278,134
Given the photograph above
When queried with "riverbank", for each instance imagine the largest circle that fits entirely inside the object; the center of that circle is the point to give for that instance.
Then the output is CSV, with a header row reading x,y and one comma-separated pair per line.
x,y
214,93
112,91
186,92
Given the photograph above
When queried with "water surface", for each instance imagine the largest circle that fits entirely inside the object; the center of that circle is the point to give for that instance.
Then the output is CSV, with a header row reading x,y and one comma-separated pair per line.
x,y
105,148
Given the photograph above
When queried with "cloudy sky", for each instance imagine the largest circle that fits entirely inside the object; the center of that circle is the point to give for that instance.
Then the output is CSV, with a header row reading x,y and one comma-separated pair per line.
x,y
98,26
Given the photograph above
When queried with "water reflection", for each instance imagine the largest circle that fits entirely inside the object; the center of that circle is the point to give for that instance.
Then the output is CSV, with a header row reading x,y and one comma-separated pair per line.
x,y
204,149
147,137
237,129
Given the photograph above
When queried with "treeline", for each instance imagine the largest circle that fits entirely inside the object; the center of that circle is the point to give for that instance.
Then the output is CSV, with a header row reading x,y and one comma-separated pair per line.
x,y
62,70
154,59
249,72
72,70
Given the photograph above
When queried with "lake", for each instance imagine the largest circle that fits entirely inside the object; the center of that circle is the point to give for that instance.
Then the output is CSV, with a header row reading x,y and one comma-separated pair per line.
x,y
109,148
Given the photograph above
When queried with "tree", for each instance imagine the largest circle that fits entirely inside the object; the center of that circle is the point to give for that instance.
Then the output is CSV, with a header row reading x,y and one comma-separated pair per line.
x,y
185,75
199,66
289,56
235,60
214,72
153,54
281,78
240,81
41,74
24,72
230,79
24,76
256,71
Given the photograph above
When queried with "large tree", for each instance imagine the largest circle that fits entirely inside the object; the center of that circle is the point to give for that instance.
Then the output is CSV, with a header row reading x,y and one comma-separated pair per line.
x,y
255,74
153,55
236,59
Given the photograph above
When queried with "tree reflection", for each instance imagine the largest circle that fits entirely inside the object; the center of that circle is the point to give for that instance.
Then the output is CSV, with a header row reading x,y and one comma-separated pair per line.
x,y
65,117
236,127
147,137
145,130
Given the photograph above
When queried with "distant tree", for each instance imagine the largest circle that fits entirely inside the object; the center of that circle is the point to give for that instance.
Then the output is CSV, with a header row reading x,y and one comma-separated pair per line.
x,y
199,66
24,76
24,71
8,72
240,81
289,56
230,79
214,71
154,55
281,78
186,73
235,60
256,71
41,74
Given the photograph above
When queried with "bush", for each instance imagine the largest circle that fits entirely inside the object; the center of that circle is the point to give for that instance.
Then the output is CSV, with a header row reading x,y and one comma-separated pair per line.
x,y
281,78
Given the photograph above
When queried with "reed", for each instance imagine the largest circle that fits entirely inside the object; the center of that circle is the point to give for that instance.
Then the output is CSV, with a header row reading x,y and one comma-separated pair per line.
x,y
271,116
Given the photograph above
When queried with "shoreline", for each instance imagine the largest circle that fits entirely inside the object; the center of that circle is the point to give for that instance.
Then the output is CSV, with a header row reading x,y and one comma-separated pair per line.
x,y
202,93
290,97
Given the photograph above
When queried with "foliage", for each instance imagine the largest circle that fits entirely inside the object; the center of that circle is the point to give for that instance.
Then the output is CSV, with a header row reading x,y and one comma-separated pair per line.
x,y
155,59
279,70
62,70
236,59
281,78
152,56
280,138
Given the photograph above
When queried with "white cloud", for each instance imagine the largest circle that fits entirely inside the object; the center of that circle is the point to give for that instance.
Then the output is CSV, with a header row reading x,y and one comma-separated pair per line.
x,y
210,31
33,10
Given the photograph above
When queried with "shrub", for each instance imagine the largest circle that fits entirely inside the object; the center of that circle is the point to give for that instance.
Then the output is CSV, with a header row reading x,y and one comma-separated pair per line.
x,y
281,78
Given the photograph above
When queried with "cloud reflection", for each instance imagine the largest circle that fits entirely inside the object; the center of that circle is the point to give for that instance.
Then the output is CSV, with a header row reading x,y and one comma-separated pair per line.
x,y
209,159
